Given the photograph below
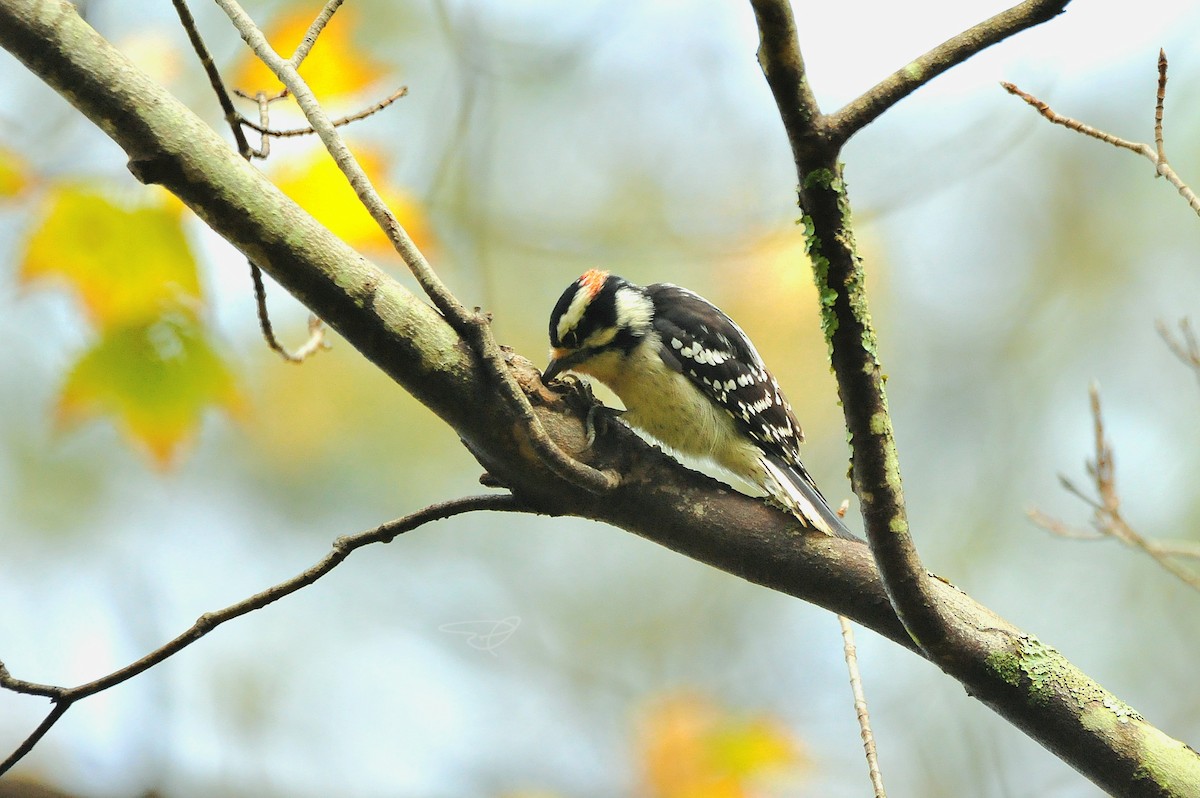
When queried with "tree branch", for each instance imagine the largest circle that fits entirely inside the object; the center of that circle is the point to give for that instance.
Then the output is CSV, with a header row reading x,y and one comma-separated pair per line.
x,y
1155,153
848,329
64,697
935,626
864,110
316,329
1024,680
1107,518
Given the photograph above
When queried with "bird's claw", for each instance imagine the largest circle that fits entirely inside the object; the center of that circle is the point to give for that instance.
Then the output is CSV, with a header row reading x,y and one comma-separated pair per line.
x,y
598,419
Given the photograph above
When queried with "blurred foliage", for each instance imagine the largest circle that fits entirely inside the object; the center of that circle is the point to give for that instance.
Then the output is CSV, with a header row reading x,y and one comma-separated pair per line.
x,y
334,69
318,185
14,175
157,379
126,265
690,748
153,368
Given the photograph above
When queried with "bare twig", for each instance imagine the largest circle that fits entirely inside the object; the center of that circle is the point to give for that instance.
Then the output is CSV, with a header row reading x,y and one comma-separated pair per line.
x,y
860,707
282,94
314,31
232,117
316,329
339,122
1107,520
1158,106
473,326
263,103
1186,347
1155,153
64,697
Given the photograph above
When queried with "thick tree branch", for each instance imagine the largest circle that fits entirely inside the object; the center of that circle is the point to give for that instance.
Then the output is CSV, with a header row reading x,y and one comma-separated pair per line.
x,y
848,328
1024,680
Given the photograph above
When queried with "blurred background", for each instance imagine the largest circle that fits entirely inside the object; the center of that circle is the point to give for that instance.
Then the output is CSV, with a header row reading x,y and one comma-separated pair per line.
x,y
156,461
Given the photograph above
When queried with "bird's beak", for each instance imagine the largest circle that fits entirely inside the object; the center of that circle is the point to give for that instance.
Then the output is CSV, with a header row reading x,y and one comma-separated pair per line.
x,y
560,360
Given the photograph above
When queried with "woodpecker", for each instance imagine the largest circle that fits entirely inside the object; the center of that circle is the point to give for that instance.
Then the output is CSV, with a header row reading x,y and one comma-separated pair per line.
x,y
690,378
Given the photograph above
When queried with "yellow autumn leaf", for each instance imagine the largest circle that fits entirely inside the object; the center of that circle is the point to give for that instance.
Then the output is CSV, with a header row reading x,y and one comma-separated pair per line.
x,y
127,265
320,188
154,380
335,67
746,747
692,749
14,174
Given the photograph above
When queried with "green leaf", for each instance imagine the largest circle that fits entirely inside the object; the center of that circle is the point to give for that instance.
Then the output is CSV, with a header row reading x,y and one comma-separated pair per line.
x,y
155,380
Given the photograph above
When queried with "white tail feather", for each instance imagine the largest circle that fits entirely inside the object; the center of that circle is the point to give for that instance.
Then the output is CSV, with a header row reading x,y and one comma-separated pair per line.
x,y
788,486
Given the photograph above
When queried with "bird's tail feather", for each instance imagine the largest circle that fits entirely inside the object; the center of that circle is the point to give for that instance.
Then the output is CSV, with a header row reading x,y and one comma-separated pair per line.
x,y
795,489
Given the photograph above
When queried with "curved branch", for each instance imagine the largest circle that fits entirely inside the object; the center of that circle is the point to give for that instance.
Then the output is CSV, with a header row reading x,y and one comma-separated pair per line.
x,y
864,110
64,697
937,628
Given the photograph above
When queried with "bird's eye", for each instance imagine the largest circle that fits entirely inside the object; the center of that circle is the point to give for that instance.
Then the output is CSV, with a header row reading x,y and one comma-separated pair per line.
x,y
570,339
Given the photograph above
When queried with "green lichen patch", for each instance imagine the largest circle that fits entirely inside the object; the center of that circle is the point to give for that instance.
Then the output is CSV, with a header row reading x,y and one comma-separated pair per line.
x,y
1172,767
1005,666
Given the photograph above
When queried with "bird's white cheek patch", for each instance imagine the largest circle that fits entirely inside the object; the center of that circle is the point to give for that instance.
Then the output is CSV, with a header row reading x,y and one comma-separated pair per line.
x,y
633,309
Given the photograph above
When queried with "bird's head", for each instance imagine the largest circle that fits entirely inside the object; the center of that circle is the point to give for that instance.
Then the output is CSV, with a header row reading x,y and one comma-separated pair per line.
x,y
599,314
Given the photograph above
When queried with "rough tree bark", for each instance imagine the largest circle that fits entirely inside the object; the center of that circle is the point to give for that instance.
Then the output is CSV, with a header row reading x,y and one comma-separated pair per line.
x,y
1021,678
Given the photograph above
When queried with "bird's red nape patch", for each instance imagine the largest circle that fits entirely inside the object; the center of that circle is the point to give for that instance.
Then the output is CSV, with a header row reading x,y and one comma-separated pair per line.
x,y
592,281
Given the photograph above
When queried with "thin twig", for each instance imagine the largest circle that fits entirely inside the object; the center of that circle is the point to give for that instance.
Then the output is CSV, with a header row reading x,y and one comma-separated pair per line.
x,y
282,94
316,329
1186,347
56,711
473,326
214,76
263,103
64,697
860,707
339,122
1079,127
1107,520
1156,153
314,31
1158,105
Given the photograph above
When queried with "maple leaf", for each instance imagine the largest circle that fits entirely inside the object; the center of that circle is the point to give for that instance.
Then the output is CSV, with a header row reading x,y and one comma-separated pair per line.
x,y
126,264
155,380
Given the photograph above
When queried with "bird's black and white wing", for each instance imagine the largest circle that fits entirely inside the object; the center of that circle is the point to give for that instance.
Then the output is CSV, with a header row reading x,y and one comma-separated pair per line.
x,y
705,345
